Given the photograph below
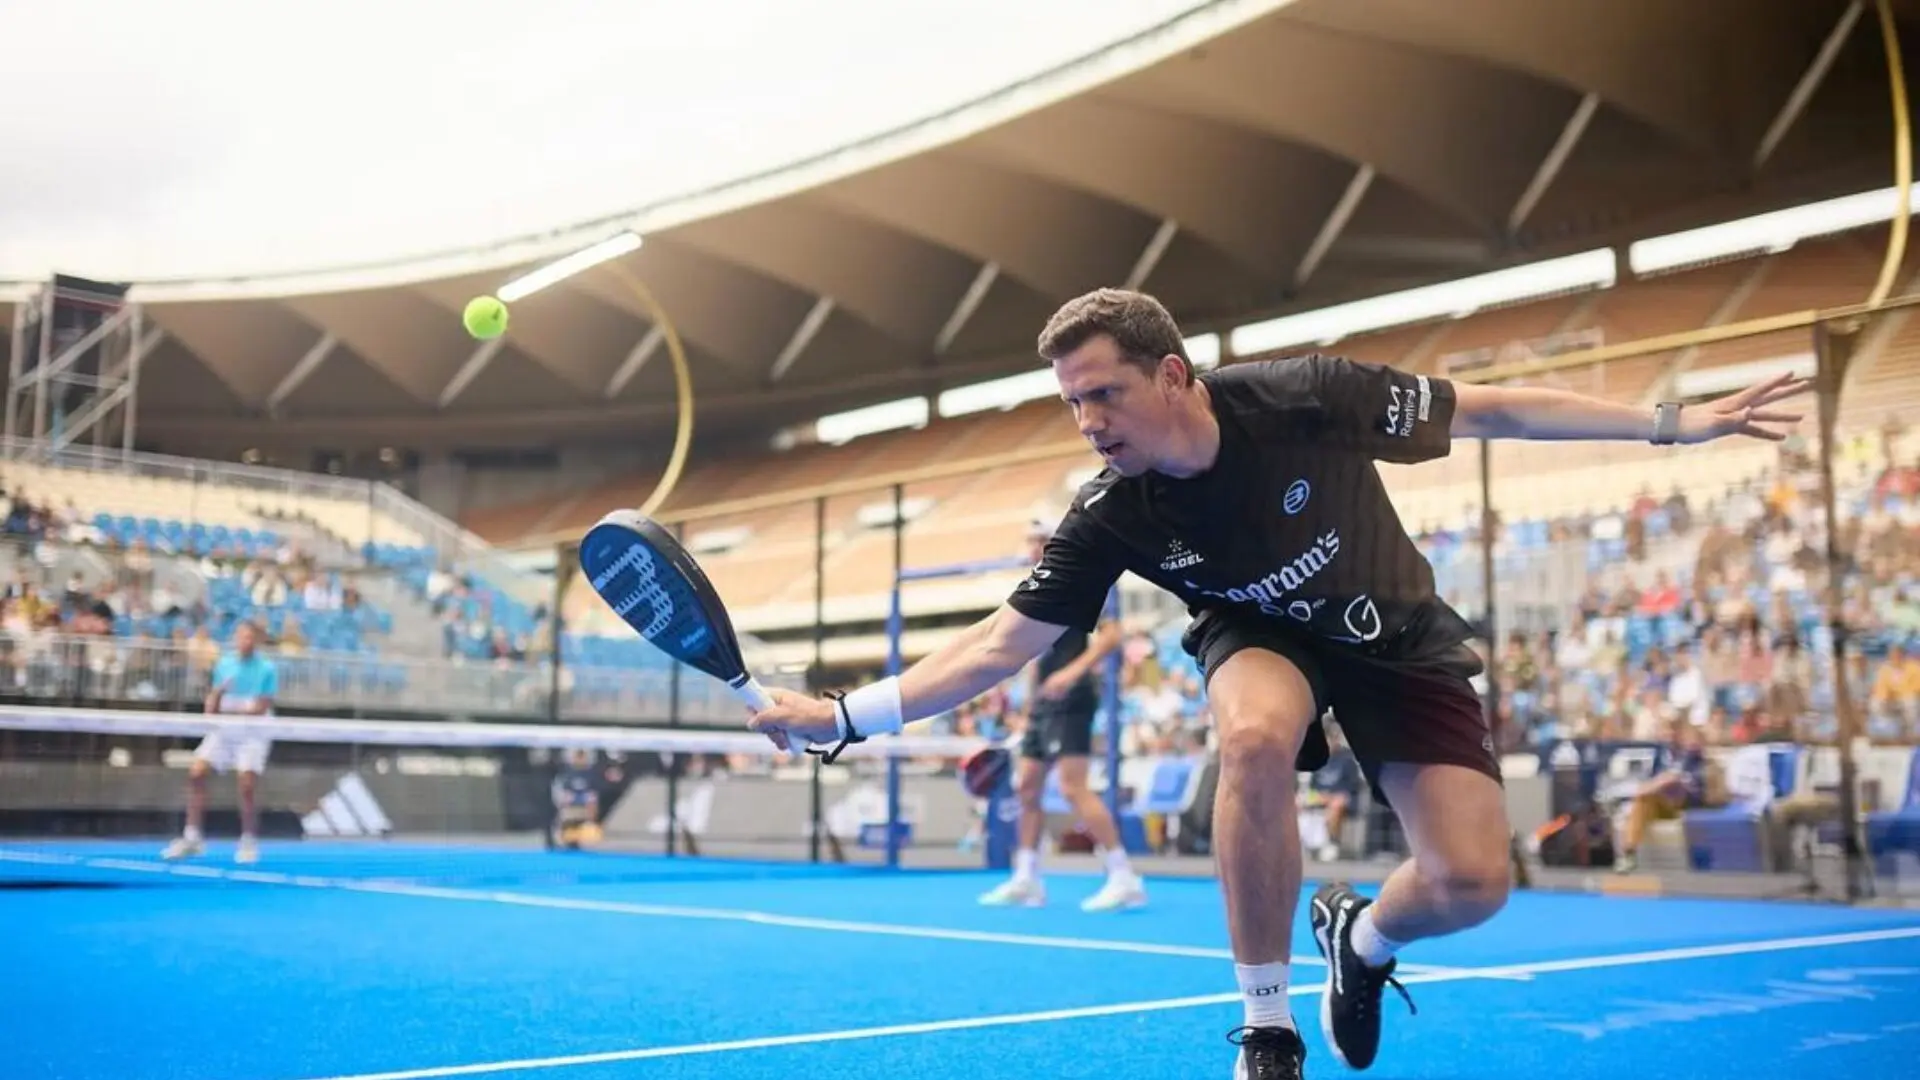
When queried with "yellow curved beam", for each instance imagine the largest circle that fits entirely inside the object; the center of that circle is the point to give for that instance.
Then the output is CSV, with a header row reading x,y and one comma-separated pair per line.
x,y
683,387
1902,156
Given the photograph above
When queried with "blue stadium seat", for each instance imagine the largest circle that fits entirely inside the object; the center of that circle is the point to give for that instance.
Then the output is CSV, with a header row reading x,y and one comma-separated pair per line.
x,y
1733,837
1893,836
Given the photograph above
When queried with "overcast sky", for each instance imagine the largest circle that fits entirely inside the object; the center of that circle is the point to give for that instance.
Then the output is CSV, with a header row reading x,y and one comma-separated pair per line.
x,y
168,138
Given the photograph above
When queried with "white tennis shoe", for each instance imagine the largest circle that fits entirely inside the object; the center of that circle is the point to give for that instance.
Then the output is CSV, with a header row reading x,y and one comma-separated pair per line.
x,y
1122,892
1016,892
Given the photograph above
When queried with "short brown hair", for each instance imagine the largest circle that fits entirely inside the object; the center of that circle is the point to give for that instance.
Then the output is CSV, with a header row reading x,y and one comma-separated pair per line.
x,y
1138,323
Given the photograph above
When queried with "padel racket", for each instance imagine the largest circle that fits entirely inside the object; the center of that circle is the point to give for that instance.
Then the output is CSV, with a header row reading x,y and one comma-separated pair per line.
x,y
655,585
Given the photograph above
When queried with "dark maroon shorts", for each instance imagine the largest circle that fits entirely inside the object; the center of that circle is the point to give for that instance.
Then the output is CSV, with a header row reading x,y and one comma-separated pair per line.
x,y
1427,713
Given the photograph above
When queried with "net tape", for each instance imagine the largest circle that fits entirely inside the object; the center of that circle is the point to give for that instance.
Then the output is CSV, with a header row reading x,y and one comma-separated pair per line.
x,y
450,733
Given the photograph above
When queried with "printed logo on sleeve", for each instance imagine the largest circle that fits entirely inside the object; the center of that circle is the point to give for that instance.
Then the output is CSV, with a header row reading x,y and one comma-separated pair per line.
x,y
1406,405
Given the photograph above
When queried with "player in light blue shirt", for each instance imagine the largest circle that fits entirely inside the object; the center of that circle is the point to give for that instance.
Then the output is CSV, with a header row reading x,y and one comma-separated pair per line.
x,y
244,683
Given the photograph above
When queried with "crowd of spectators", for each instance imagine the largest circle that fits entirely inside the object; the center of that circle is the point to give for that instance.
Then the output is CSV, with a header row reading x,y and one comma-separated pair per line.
x,y
1708,608
1714,616
1737,641
88,614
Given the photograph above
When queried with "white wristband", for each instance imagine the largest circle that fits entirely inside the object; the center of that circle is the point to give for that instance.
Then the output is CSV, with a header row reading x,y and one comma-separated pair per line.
x,y
875,709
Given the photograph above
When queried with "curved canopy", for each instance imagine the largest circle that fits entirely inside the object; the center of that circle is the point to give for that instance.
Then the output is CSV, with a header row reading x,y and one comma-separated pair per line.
x,y
1238,159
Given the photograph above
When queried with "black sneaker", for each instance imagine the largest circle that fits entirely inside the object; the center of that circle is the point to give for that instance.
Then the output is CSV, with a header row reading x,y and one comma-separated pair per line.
x,y
1350,1007
1268,1053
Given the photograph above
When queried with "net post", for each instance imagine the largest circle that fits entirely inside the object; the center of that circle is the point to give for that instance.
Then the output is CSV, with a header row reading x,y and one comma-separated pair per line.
x,y
1516,854
895,629
816,678
1833,346
1486,576
566,559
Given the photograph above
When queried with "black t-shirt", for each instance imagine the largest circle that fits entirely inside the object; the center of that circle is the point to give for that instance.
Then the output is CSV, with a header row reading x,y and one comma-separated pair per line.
x,y
1084,696
1291,524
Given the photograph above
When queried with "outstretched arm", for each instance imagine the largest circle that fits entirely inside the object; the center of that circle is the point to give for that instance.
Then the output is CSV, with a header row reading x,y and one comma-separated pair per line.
x,y
967,665
1512,412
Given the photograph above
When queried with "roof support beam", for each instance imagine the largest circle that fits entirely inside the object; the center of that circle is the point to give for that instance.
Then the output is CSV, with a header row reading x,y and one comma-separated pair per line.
x,y
1418,249
291,381
969,303
802,337
471,370
1555,160
1336,223
1151,255
1810,81
636,359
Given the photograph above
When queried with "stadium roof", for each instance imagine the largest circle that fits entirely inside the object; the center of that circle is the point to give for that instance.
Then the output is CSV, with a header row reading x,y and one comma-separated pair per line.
x,y
1240,159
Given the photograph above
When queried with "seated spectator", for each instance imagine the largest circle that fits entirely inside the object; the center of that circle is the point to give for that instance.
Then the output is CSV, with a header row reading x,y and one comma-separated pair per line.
x,y
1790,685
1896,692
321,593
1662,599
1683,785
1687,692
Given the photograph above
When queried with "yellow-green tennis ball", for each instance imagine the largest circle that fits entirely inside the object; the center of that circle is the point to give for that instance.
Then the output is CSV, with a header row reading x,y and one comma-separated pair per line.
x,y
485,317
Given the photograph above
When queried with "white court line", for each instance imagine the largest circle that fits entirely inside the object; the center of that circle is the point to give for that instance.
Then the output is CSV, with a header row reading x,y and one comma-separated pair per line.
x,y
36,857
1160,1005
762,918
818,1037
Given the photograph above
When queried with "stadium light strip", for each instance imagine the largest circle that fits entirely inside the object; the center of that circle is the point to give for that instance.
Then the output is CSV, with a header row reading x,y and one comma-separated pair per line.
x,y
1764,233
842,427
563,268
1451,299
1014,390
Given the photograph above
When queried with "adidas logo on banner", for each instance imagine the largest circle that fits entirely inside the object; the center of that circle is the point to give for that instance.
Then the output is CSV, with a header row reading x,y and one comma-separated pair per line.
x,y
348,810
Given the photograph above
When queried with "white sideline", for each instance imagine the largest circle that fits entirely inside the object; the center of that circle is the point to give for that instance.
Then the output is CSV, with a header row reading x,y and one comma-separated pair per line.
x,y
669,911
1159,1005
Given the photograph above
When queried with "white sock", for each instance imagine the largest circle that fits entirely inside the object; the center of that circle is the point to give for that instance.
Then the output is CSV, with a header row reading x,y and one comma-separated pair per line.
x,y
1118,865
1263,990
192,834
1026,864
1373,949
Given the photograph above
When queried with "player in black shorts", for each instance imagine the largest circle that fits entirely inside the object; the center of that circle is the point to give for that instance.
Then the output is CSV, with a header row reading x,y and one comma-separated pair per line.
x,y
1251,492
1062,705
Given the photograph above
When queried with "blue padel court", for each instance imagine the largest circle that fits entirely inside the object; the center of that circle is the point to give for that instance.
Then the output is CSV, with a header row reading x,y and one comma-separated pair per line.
x,y
363,961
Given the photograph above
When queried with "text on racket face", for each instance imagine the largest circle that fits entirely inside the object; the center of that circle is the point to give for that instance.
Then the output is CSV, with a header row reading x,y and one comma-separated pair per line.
x,y
639,561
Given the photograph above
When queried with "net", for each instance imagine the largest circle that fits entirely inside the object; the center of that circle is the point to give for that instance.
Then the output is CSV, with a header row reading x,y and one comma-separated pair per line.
x,y
97,795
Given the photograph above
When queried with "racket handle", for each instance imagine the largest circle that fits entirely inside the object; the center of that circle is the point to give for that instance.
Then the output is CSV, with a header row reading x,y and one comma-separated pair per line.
x,y
759,700
754,694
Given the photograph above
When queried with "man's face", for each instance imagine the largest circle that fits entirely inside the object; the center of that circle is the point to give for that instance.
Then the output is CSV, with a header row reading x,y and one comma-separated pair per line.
x,y
1123,411
244,639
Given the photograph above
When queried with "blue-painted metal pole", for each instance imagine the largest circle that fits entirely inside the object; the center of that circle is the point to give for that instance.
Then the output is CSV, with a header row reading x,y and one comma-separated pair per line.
x,y
1110,705
896,626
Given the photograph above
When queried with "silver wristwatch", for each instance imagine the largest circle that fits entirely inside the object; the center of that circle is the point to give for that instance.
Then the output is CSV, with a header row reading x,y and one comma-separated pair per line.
x,y
1666,423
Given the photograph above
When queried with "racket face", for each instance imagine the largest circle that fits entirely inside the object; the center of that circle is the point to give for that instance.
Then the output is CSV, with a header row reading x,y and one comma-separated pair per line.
x,y
657,588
